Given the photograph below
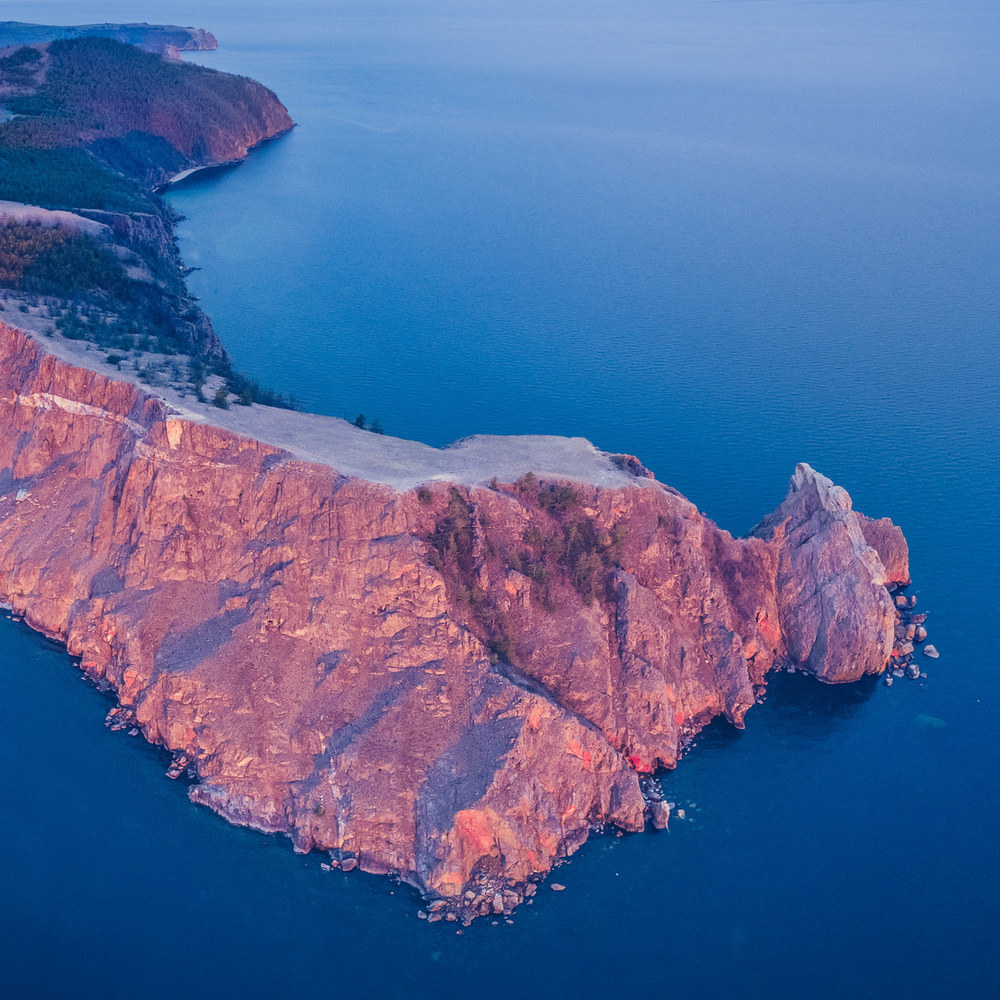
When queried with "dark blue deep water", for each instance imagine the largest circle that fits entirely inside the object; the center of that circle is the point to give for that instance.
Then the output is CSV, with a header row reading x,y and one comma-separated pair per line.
x,y
724,236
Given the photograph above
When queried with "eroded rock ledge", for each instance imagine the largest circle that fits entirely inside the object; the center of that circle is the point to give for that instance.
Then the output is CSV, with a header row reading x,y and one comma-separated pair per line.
x,y
454,683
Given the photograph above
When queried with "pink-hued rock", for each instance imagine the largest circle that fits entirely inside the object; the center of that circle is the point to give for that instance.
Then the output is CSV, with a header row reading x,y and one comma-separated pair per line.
x,y
823,558
455,684
893,552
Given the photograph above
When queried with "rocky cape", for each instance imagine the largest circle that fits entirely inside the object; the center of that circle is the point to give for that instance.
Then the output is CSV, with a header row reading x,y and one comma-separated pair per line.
x,y
455,682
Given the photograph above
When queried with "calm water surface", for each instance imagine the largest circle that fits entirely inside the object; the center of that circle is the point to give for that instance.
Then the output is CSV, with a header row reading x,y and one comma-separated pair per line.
x,y
726,237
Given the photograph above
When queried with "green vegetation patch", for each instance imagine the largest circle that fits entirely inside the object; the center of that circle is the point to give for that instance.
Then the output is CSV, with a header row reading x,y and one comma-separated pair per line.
x,y
112,310
65,178
116,88
576,549
453,536
20,68
56,261
564,546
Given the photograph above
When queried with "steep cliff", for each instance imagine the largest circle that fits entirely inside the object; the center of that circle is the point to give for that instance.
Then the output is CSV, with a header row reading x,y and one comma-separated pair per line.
x,y
456,683
131,111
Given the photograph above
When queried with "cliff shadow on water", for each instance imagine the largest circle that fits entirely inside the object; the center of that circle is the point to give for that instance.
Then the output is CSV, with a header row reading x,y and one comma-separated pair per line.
x,y
206,175
797,710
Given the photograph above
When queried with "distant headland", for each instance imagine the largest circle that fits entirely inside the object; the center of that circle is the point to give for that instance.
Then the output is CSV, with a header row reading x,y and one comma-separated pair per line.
x,y
168,40
95,127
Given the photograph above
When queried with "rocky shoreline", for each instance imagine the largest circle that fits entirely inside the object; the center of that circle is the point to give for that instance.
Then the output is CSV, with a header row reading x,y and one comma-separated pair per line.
x,y
910,634
452,683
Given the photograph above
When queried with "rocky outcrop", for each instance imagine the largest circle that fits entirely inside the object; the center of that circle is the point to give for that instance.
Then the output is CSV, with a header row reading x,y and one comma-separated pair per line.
x,y
454,683
887,540
821,609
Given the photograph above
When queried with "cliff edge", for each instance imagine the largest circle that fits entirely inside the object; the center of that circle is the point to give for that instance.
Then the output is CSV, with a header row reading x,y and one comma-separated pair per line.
x,y
454,682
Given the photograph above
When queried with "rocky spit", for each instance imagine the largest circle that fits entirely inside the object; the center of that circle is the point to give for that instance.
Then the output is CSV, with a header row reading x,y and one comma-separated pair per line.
x,y
454,683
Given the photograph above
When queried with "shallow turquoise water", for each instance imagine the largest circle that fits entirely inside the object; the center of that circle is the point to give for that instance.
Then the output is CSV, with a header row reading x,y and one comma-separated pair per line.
x,y
726,237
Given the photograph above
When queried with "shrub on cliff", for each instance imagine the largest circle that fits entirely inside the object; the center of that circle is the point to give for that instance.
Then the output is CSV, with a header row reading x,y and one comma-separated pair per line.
x,y
557,499
452,537
573,550
248,391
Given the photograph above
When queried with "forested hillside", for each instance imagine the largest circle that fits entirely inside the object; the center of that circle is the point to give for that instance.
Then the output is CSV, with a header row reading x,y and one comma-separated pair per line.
x,y
87,107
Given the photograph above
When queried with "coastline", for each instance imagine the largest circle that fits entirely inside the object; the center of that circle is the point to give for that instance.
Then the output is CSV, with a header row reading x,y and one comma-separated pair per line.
x,y
453,684
191,171
221,165
816,222
585,671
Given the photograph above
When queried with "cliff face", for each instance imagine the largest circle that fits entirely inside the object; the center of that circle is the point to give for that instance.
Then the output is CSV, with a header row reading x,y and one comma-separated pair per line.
x,y
206,116
454,683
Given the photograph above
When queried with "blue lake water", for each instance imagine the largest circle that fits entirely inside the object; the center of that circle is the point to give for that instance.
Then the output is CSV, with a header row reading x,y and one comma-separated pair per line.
x,y
723,236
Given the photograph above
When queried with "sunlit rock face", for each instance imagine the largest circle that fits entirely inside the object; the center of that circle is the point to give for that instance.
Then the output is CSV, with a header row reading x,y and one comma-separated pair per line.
x,y
455,683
